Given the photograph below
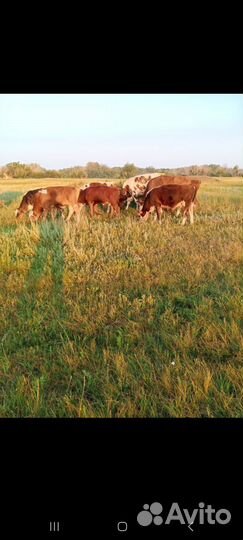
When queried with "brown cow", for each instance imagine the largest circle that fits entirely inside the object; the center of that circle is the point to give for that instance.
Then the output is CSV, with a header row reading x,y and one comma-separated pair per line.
x,y
166,179
38,201
171,196
103,195
95,184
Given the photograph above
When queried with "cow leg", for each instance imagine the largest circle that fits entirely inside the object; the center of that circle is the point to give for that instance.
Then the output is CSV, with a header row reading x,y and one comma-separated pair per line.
x,y
62,211
34,215
185,214
39,214
107,207
53,212
152,211
91,207
184,218
118,210
191,214
96,210
129,200
158,212
70,213
145,217
43,215
77,210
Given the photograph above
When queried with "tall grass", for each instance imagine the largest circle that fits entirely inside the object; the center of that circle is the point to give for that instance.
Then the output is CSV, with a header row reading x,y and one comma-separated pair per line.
x,y
117,318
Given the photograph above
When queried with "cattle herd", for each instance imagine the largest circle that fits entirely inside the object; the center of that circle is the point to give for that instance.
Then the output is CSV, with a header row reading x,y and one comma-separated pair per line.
x,y
173,193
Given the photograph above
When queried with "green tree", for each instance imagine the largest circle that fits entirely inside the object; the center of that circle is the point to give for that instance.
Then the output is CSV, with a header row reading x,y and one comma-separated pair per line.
x,y
193,170
235,170
149,169
93,169
52,173
17,170
73,172
129,170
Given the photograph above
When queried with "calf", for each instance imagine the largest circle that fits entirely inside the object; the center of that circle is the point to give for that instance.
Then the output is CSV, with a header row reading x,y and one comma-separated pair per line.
x,y
39,201
103,195
163,180
95,184
170,197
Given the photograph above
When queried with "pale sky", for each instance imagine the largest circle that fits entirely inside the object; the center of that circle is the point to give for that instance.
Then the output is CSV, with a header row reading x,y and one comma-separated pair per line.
x,y
162,130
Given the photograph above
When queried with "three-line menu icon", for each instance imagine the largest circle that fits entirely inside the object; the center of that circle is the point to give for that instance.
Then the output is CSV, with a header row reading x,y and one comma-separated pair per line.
x,y
54,526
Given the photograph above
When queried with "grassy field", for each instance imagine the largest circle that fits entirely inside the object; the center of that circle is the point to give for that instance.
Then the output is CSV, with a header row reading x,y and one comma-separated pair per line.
x,y
117,318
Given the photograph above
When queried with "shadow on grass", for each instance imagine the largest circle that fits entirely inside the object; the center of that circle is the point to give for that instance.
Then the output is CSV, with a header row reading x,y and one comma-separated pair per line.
x,y
40,313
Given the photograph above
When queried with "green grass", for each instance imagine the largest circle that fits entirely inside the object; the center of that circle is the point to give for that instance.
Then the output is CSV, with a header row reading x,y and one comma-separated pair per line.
x,y
9,196
117,318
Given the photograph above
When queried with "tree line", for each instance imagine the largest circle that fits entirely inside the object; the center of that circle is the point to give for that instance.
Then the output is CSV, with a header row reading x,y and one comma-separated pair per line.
x,y
98,170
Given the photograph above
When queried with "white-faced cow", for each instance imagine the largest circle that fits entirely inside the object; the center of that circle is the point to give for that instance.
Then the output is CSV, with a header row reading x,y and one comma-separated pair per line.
x,y
39,201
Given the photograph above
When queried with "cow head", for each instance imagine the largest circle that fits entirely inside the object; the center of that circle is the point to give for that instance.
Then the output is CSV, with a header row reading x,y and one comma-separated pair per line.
x,y
139,200
125,193
144,214
22,210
